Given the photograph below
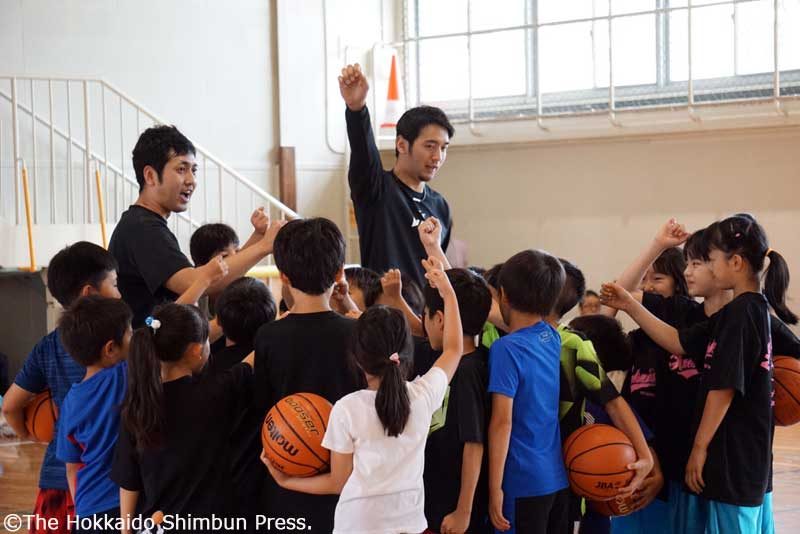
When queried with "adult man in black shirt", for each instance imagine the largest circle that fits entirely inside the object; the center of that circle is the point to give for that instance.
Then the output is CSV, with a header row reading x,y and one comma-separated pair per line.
x,y
389,205
152,268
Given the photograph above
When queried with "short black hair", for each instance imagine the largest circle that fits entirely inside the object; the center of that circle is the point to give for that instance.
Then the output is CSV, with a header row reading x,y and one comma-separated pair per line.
x,y
474,300
210,240
155,147
492,276
310,252
90,323
573,290
75,266
610,342
532,280
415,119
590,293
243,307
367,280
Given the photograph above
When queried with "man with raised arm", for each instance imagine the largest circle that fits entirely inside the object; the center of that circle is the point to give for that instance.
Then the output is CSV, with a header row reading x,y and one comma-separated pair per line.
x,y
391,204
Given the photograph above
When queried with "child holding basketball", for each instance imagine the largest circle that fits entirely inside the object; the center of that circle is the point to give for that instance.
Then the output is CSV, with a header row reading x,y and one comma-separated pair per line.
x,y
78,270
307,350
96,332
176,427
730,460
377,435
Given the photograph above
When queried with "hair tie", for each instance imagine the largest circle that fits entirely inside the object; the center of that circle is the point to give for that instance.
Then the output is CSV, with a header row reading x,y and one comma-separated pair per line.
x,y
154,324
395,358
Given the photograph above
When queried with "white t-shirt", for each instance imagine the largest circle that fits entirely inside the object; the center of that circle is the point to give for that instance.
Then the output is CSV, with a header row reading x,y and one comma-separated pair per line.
x,y
385,493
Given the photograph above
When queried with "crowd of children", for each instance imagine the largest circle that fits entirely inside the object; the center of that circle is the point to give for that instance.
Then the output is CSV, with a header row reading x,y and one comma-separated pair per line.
x,y
450,400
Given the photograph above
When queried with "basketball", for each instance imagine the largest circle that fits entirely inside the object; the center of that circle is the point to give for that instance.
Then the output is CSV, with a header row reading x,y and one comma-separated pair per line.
x,y
40,417
615,507
292,435
786,375
596,457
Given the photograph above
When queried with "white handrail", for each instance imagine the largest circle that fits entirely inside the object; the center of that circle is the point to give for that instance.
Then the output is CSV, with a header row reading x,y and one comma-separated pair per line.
x,y
127,186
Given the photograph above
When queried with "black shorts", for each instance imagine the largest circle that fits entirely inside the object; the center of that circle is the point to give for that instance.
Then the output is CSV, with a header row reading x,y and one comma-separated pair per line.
x,y
545,514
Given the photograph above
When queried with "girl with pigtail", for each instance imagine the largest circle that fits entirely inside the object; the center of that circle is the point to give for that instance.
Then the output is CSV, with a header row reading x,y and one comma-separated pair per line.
x,y
173,441
377,435
729,466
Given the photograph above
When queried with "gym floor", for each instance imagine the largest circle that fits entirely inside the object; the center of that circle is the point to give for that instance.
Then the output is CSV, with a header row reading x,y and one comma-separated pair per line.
x,y
19,472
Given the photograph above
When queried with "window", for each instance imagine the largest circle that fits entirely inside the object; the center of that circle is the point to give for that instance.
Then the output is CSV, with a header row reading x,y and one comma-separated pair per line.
x,y
549,57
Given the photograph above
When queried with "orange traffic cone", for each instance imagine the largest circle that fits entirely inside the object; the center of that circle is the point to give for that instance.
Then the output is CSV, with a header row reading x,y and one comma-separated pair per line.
x,y
393,108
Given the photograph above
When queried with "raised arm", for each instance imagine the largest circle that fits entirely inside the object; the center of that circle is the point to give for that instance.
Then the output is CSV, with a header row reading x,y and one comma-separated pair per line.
x,y
453,341
671,234
366,168
666,336
392,286
430,234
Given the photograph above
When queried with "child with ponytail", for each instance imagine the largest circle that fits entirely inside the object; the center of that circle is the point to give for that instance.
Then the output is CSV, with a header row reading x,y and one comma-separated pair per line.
x,y
175,427
730,461
377,435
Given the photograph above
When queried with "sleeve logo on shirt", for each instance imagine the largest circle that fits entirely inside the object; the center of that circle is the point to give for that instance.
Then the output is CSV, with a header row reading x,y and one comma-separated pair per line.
x,y
415,222
709,355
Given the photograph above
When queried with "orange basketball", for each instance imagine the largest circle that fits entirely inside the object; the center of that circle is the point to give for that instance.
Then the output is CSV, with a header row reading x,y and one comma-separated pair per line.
x,y
596,458
615,507
786,376
292,435
40,417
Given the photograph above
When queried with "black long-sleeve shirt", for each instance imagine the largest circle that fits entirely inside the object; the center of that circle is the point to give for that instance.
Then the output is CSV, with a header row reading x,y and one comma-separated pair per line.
x,y
387,211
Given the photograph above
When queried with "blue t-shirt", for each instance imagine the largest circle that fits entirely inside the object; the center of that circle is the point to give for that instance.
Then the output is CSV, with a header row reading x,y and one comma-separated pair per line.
x,y
49,366
524,365
88,434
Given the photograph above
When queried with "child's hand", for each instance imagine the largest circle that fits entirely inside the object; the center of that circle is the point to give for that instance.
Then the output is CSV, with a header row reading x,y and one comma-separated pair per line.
x,y
273,227
671,234
216,269
651,487
341,301
496,511
642,468
694,469
260,220
434,273
455,522
430,233
392,284
279,477
615,296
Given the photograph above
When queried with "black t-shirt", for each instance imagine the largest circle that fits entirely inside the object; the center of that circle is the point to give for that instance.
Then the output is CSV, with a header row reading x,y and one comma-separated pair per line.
x,y
387,211
737,356
303,353
424,357
188,473
148,254
247,471
784,342
466,419
677,386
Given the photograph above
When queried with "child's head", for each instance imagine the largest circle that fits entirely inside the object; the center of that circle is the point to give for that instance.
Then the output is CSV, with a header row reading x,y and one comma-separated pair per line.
x,y
665,276
243,307
175,334
364,284
211,240
610,342
96,330
590,303
700,281
530,282
382,348
309,253
573,289
81,269
474,303
738,247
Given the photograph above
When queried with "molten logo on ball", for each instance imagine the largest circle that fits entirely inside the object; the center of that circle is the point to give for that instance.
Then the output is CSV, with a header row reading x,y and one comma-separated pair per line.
x,y
276,436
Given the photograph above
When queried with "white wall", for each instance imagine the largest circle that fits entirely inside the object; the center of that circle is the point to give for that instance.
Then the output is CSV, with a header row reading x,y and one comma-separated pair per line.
x,y
209,67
